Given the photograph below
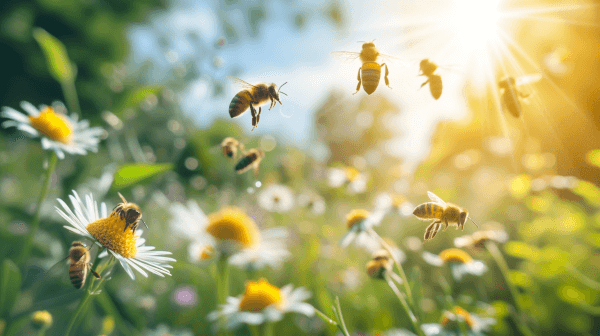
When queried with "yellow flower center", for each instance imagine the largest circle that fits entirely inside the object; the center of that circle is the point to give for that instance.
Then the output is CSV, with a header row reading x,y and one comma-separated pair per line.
x,y
207,252
449,321
233,224
355,216
351,173
259,295
111,233
52,125
455,255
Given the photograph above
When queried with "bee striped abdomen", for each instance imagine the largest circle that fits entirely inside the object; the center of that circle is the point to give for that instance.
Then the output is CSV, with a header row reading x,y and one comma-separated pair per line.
x,y
429,211
435,86
77,274
240,103
245,162
371,73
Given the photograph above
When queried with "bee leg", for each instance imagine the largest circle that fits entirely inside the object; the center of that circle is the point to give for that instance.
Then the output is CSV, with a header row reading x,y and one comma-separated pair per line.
x,y
427,81
255,168
253,112
93,272
432,229
359,82
445,222
272,103
258,115
387,72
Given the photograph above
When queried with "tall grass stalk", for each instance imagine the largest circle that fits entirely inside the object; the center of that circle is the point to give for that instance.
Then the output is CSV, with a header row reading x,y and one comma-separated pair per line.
x,y
411,315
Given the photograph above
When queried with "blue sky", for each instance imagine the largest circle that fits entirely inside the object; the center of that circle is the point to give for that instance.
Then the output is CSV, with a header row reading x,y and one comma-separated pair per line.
x,y
281,53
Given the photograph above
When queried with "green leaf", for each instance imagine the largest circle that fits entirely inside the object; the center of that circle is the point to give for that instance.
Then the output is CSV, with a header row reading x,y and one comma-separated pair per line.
x,y
130,174
10,283
56,54
135,97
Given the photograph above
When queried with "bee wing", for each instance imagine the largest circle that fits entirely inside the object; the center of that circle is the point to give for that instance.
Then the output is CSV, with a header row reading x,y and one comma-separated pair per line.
x,y
436,199
240,83
528,79
345,55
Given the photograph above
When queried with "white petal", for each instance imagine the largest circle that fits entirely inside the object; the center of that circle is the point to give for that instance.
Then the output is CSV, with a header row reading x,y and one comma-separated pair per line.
x,y
30,109
432,259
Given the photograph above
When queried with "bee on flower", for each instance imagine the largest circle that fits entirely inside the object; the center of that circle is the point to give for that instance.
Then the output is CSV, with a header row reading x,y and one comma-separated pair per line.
x,y
230,232
350,176
460,262
263,303
381,265
58,132
276,198
107,232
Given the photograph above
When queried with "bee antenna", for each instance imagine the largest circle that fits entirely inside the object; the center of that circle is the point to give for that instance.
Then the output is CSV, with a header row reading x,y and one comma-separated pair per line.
x,y
145,224
283,93
474,222
122,198
281,87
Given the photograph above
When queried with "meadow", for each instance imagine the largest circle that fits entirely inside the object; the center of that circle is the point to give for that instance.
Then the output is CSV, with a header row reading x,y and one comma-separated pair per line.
x,y
325,216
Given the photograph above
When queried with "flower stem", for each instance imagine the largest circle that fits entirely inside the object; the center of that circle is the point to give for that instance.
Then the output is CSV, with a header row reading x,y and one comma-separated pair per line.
x,y
411,316
86,296
325,318
222,286
398,265
337,310
35,223
267,329
501,262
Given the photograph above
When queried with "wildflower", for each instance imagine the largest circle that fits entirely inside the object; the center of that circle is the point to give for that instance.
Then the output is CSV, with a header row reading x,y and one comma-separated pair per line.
x,y
163,330
380,265
478,239
58,132
449,323
314,202
107,232
263,302
357,182
41,319
231,232
460,262
359,222
276,198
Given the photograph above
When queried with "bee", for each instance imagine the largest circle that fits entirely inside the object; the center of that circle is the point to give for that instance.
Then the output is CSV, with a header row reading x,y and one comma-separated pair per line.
x,y
441,213
230,147
370,69
251,159
435,81
130,213
80,264
511,94
253,96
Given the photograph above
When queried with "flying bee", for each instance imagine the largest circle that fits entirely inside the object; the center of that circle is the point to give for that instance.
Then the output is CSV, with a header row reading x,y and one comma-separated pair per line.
x,y
253,96
230,147
251,159
511,94
370,69
441,213
80,264
130,213
435,81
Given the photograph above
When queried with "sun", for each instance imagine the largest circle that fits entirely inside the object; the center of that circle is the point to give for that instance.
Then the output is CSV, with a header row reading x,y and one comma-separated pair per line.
x,y
475,23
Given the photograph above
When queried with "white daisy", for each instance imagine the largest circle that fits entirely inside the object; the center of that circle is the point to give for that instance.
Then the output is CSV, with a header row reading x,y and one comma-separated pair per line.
x,y
58,132
263,302
230,231
460,262
314,202
356,181
449,326
276,198
359,222
478,239
107,231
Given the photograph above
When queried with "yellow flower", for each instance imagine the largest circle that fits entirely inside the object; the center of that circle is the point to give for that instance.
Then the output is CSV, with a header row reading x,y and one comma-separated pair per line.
x,y
356,216
41,319
380,264
259,295
233,224
54,126
455,255
449,318
111,234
